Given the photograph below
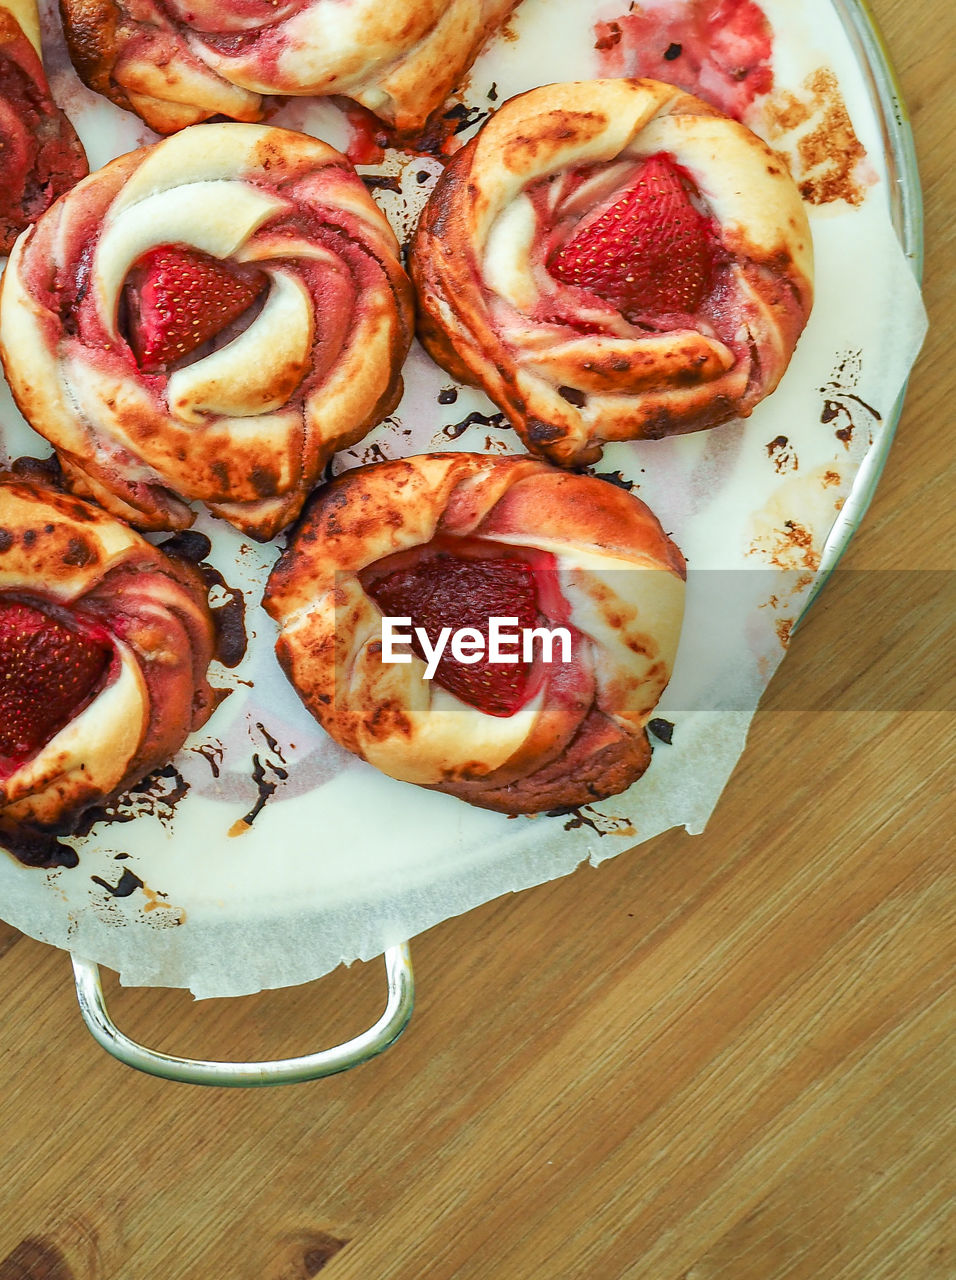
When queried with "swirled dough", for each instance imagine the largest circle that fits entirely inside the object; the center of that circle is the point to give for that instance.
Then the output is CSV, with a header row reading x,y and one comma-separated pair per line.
x,y
570,370
62,556
246,426
604,569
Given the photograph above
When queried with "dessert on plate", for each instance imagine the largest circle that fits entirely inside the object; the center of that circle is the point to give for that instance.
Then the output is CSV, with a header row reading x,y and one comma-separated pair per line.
x,y
40,154
446,543
178,63
104,646
209,318
613,260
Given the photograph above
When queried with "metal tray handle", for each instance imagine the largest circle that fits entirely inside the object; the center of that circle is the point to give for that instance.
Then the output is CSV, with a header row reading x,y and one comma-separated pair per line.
x,y
312,1066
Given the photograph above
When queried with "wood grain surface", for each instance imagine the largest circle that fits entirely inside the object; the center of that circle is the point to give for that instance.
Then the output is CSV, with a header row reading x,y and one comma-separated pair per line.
x,y
726,1057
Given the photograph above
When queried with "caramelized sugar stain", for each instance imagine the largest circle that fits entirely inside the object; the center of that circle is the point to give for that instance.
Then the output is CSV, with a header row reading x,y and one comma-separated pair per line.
x,y
227,604
587,816
841,402
453,430
813,134
267,774
782,454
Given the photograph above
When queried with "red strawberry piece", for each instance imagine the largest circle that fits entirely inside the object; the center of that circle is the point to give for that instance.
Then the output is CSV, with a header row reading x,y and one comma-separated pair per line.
x,y
650,253
446,591
178,298
47,672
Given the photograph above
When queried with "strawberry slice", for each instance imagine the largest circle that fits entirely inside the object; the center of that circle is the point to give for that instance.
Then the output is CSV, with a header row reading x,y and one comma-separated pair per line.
x,y
178,298
444,590
651,253
47,672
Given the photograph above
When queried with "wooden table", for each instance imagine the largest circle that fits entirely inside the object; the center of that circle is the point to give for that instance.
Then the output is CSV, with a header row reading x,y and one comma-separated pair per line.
x,y
720,1056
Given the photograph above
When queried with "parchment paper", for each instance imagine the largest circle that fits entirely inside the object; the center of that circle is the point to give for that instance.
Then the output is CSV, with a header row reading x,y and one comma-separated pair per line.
x,y
266,855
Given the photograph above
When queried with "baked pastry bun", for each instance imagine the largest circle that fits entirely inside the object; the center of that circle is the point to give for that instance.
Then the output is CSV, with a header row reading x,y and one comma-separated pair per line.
x,y
40,154
104,646
613,260
449,542
208,318
178,63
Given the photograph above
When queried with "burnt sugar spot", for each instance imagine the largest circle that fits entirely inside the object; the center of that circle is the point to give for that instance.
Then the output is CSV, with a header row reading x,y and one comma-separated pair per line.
x,y
783,627
798,538
127,884
662,729
213,753
587,816
495,446
79,553
782,454
453,430
39,849
375,182
813,134
617,478
372,453
227,604
269,771
187,545
45,471
271,742
266,775
158,795
462,117
841,404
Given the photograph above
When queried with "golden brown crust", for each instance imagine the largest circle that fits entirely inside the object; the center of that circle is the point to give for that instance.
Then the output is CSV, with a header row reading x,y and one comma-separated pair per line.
x,y
176,64
621,584
90,27
59,552
40,153
247,427
493,316
129,62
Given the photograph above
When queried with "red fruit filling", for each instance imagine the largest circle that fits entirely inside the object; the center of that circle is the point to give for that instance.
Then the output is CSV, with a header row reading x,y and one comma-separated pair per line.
x,y
177,299
443,588
721,50
40,154
651,253
48,670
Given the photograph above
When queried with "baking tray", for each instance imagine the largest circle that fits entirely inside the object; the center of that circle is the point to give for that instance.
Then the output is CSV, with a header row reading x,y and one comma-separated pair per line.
x,y
902,194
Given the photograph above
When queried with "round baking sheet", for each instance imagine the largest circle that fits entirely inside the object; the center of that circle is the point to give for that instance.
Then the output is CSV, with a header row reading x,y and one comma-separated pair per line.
x,y
264,855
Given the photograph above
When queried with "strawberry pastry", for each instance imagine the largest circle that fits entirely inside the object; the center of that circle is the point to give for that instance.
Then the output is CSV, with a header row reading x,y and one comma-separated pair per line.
x,y
613,260
178,62
209,318
104,646
426,552
40,154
